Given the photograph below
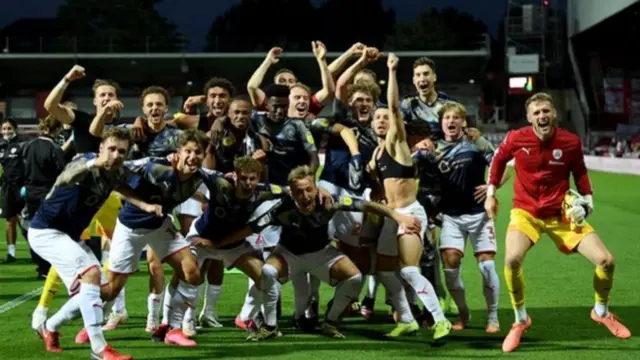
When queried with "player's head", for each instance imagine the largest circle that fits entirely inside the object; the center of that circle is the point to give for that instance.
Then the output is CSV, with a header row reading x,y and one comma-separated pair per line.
x,y
367,75
277,102
541,113
424,75
285,77
362,97
115,144
453,119
104,91
193,143
380,123
49,126
9,128
155,104
218,92
248,171
299,100
240,113
303,188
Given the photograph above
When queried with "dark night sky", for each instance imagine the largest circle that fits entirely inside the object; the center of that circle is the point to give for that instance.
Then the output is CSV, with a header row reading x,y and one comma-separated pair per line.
x,y
195,24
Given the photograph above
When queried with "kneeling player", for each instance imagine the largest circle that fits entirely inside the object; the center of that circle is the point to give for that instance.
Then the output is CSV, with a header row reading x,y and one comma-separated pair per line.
x,y
545,156
305,246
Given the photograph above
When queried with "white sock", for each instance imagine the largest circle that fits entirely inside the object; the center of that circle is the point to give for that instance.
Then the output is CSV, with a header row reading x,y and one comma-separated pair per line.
x,y
69,311
184,295
154,303
168,294
521,315
93,316
346,291
602,310
372,287
397,295
269,284
12,249
252,302
424,289
120,305
412,297
105,256
300,285
210,300
491,288
456,289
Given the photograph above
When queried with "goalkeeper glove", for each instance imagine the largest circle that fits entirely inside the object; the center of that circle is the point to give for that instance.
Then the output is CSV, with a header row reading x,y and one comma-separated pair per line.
x,y
580,207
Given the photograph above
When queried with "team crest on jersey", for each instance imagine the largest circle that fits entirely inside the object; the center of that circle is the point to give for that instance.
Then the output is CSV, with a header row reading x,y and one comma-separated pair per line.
x,y
325,123
276,189
557,154
289,132
228,140
220,212
310,138
346,201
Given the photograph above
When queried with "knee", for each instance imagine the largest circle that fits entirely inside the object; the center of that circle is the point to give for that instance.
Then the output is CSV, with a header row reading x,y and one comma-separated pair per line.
x,y
513,261
409,272
191,273
607,261
92,276
356,281
155,268
451,258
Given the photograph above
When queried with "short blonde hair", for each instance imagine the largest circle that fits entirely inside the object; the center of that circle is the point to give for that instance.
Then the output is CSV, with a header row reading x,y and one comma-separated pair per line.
x,y
300,173
456,107
105,82
539,97
302,86
118,133
248,164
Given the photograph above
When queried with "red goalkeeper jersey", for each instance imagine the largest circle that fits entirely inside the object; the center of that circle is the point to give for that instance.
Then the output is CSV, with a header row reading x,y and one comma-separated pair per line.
x,y
542,169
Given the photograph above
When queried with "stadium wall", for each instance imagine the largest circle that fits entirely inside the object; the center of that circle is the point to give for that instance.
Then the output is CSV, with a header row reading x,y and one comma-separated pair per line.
x,y
584,14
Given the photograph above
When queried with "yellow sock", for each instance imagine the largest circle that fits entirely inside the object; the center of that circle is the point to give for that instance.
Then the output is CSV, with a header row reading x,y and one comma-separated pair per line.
x,y
51,287
515,283
602,283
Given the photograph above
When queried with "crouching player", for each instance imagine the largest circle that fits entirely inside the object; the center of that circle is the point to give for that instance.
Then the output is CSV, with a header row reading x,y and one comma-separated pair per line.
x,y
545,156
305,245
228,210
76,197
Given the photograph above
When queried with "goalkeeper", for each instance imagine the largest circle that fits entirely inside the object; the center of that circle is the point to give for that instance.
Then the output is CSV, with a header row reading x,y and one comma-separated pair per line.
x,y
545,157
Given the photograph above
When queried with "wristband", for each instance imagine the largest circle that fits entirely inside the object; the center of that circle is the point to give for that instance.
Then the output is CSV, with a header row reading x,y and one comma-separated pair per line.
x,y
491,190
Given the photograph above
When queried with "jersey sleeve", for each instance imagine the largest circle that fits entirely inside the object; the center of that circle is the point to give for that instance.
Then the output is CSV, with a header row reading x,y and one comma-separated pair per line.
x,y
501,157
321,125
579,170
305,137
270,217
486,148
347,203
315,106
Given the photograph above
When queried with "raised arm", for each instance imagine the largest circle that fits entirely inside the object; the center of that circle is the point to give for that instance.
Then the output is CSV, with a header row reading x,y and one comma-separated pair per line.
x,y
52,103
339,64
326,94
347,77
256,95
106,113
397,132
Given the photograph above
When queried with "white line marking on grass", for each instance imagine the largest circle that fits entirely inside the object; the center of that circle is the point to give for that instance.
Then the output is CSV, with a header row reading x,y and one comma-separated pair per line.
x,y
20,300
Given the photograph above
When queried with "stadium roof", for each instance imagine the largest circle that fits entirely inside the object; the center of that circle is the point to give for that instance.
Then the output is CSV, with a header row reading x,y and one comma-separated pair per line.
x,y
36,69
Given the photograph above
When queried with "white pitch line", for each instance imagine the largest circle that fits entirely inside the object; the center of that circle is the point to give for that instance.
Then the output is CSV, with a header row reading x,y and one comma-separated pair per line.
x,y
20,300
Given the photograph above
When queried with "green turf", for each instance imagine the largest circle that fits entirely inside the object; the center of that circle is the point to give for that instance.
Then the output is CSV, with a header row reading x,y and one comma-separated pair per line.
x,y
559,297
